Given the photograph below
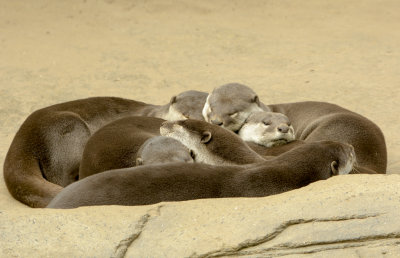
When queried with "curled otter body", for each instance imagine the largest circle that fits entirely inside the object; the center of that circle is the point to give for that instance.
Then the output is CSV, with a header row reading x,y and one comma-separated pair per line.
x,y
316,121
45,153
187,181
126,142
312,121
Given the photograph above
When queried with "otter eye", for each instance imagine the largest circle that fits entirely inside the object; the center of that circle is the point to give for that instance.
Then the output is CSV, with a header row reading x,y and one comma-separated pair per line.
x,y
289,124
192,154
335,168
267,123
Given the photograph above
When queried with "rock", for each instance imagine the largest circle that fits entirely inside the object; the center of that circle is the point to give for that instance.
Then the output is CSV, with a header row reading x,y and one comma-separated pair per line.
x,y
345,216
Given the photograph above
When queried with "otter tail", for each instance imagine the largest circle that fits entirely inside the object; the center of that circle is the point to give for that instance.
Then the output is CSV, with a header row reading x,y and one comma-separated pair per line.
x,y
25,181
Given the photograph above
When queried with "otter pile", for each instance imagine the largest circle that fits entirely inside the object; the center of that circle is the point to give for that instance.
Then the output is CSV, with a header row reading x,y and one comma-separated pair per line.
x,y
223,144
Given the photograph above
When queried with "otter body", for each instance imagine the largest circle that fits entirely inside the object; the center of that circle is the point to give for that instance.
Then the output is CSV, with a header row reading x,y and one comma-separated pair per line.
x,y
46,151
126,143
187,181
311,120
317,121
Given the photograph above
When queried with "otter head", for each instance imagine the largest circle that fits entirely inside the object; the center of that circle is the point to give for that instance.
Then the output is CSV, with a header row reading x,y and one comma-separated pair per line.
x,y
211,144
229,106
344,158
187,104
267,129
331,158
161,149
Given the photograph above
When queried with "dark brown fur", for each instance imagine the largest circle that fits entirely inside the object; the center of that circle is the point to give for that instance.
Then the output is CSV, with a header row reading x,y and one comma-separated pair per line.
x,y
313,121
46,151
186,181
274,150
317,121
116,144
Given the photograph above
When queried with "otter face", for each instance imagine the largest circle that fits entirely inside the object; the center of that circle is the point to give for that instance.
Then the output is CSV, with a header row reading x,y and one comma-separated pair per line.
x,y
267,129
190,133
343,165
187,104
229,106
161,149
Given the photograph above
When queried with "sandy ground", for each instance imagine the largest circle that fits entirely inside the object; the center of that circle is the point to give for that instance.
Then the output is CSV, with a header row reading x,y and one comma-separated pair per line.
x,y
341,51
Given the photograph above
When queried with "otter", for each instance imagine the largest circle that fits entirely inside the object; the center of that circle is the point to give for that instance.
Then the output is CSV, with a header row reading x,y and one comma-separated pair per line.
x,y
312,121
45,153
230,105
210,143
187,104
127,142
161,149
267,129
151,184
215,145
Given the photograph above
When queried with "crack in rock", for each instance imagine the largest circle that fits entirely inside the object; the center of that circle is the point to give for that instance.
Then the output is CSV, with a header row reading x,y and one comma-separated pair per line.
x,y
124,244
275,233
329,246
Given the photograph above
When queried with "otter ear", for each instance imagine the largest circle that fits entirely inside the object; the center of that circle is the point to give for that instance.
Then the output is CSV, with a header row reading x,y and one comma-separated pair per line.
x,y
256,100
206,137
335,168
173,100
139,161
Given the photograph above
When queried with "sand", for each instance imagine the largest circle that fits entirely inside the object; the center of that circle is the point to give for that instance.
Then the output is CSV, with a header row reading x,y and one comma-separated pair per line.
x,y
344,52
341,51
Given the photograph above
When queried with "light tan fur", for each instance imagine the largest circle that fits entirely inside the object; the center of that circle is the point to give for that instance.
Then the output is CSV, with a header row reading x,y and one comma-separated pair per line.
x,y
267,129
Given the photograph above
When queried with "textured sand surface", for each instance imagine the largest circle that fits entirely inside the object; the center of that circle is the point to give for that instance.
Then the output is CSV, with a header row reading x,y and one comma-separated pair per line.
x,y
344,52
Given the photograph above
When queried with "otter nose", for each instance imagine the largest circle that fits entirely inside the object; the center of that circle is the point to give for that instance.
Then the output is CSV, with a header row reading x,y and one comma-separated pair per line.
x,y
283,128
216,122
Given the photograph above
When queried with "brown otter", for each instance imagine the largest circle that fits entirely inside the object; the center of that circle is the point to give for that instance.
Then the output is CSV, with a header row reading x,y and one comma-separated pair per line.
x,y
187,181
125,143
211,144
216,146
46,151
312,121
